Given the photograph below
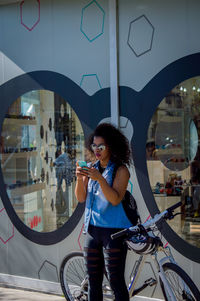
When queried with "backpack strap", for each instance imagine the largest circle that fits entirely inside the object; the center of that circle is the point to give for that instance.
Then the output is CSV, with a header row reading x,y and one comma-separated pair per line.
x,y
129,203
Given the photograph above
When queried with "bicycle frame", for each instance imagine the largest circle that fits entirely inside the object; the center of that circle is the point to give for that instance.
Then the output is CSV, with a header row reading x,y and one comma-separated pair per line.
x,y
168,258
136,275
158,263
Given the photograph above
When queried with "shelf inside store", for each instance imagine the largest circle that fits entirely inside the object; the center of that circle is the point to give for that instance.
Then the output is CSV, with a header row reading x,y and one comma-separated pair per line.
x,y
26,189
158,195
168,118
19,208
170,151
19,155
19,121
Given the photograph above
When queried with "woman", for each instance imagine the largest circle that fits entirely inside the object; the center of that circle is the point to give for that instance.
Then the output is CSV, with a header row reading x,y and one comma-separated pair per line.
x,y
104,213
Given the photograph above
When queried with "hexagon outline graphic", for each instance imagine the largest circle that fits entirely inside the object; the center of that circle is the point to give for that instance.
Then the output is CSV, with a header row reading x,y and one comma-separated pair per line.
x,y
81,27
13,234
152,35
79,237
21,15
87,75
50,263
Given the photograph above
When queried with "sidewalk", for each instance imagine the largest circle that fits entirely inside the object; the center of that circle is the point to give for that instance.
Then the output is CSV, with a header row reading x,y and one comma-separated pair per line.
x,y
9,294
12,294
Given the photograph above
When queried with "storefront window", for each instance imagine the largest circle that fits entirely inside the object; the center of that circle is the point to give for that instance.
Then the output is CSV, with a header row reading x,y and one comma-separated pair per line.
x,y
173,157
41,140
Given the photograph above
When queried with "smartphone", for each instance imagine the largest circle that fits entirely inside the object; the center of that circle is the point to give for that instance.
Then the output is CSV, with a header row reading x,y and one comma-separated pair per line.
x,y
83,164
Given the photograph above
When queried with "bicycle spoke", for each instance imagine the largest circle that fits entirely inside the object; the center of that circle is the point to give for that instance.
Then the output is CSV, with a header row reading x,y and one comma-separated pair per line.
x,y
72,281
77,273
73,271
70,277
174,283
81,266
176,288
180,283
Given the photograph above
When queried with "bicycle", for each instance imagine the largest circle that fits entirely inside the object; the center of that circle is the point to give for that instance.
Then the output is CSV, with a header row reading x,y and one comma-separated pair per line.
x,y
176,285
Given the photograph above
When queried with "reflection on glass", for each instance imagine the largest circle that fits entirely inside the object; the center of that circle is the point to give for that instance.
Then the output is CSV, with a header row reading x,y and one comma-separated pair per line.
x,y
173,157
193,143
39,170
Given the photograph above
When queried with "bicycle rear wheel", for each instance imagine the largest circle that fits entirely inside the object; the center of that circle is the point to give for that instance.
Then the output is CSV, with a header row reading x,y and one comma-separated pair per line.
x,y
181,284
73,277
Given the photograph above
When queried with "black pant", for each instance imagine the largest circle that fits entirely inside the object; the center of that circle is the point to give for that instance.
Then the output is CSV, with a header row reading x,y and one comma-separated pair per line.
x,y
100,252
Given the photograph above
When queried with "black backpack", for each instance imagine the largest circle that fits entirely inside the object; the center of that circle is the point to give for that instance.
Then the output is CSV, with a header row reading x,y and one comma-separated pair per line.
x,y
129,204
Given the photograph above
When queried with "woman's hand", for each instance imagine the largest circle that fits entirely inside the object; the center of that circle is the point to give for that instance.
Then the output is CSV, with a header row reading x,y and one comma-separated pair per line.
x,y
80,172
94,174
81,184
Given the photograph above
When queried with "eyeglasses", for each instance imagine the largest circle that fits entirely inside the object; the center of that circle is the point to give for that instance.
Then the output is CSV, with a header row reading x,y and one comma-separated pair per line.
x,y
100,147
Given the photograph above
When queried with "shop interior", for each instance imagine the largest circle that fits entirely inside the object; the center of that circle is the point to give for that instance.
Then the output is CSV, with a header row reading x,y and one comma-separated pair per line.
x,y
41,140
173,157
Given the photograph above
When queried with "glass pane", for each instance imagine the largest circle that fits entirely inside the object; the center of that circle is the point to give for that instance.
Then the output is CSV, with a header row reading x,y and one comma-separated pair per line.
x,y
173,157
41,140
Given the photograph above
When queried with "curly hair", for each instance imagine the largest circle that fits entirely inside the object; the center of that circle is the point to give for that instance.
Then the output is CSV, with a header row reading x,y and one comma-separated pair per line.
x,y
117,143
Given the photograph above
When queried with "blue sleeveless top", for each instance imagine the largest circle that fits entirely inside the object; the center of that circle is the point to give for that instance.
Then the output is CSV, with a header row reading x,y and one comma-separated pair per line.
x,y
100,212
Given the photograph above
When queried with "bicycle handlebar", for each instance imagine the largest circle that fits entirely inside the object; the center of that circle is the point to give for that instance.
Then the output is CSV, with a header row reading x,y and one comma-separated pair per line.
x,y
166,214
120,234
172,208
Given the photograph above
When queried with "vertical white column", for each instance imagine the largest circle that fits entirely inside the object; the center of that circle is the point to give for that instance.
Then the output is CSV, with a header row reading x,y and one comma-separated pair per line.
x,y
114,95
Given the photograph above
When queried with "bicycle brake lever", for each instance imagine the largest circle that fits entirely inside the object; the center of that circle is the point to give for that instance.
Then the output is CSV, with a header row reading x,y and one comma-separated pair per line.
x,y
170,215
178,213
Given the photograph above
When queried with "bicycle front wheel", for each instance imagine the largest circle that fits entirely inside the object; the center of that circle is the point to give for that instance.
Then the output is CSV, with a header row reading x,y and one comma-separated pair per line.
x,y
181,284
74,281
73,277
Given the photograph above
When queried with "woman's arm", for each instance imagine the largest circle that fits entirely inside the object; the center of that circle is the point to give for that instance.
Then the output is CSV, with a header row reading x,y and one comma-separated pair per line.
x,y
81,185
115,193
